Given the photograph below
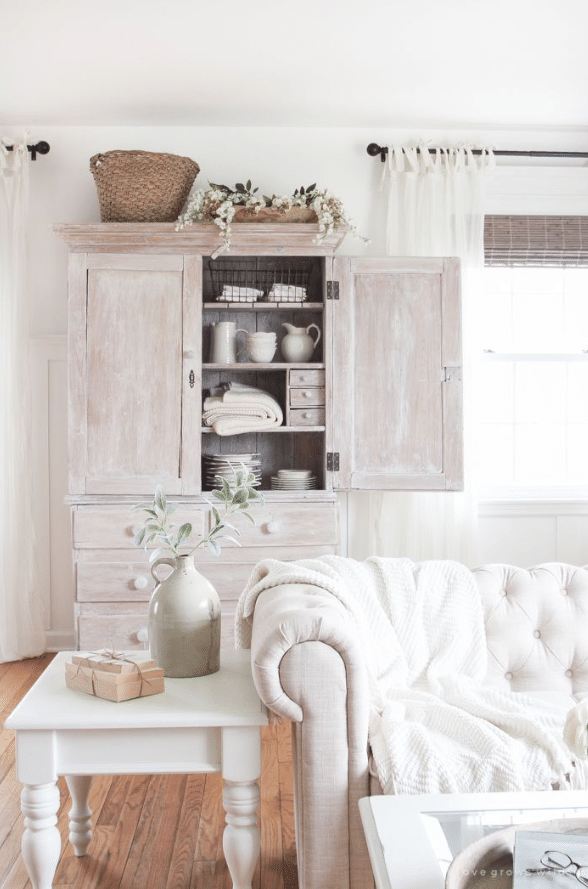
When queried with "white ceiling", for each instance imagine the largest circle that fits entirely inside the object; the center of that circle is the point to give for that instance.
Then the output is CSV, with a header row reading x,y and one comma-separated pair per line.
x,y
319,63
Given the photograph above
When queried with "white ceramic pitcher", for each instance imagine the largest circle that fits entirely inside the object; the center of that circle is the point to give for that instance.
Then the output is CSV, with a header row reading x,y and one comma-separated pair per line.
x,y
223,349
298,344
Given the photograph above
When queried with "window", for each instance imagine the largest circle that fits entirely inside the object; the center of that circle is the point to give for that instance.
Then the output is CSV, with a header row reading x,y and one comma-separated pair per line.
x,y
533,379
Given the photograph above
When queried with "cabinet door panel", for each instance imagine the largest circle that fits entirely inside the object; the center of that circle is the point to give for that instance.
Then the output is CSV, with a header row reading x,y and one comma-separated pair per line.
x,y
396,330
134,377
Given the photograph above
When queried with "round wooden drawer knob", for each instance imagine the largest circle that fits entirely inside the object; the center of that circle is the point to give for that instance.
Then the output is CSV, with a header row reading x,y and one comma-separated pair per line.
x,y
272,527
133,530
141,582
142,634
306,415
307,394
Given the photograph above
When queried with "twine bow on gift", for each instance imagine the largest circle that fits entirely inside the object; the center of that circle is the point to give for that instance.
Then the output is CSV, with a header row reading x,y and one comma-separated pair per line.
x,y
109,655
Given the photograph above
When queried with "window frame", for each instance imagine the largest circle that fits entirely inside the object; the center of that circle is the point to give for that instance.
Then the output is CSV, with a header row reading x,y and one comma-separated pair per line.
x,y
534,242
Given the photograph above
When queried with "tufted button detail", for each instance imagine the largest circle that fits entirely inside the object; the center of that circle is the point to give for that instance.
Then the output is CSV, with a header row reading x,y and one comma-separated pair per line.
x,y
569,674
503,593
563,591
537,634
508,676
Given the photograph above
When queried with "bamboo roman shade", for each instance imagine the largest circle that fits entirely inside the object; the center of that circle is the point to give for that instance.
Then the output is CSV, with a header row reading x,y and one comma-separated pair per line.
x,y
550,241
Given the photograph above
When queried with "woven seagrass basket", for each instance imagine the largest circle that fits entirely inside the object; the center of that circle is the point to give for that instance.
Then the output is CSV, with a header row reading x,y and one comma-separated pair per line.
x,y
142,186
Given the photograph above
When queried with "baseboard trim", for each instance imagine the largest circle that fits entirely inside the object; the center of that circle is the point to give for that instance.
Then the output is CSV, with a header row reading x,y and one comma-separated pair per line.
x,y
60,640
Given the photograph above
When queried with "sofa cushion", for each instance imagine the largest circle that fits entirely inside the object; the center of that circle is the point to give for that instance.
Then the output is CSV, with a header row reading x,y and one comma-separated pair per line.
x,y
536,627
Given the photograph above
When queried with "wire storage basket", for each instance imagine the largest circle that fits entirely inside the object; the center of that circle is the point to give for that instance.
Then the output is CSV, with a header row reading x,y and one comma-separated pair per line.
x,y
252,279
142,186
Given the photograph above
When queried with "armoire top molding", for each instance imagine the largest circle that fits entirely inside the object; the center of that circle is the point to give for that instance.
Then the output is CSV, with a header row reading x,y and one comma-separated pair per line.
x,y
205,238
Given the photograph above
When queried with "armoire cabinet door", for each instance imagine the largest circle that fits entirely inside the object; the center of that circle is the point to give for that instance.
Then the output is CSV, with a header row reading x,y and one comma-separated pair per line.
x,y
397,390
134,356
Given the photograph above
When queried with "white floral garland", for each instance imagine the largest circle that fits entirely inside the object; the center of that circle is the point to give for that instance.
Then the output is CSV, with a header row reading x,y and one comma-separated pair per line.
x,y
218,206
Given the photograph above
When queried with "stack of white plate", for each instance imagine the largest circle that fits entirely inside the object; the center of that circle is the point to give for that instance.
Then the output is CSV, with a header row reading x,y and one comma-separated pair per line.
x,y
223,465
293,480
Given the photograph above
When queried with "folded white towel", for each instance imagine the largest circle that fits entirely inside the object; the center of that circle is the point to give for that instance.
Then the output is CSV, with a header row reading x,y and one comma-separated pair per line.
x,y
283,291
231,290
232,424
253,409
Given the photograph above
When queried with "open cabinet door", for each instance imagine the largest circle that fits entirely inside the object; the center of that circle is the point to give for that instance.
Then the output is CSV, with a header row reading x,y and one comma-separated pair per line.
x,y
397,382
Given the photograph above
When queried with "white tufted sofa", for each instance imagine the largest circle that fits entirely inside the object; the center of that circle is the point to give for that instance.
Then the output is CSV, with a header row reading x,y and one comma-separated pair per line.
x,y
308,668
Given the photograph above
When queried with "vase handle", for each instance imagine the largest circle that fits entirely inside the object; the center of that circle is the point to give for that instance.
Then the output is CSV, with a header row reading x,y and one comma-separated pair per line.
x,y
157,562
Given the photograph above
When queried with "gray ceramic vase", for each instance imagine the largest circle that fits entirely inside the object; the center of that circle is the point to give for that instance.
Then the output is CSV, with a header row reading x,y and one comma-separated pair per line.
x,y
184,621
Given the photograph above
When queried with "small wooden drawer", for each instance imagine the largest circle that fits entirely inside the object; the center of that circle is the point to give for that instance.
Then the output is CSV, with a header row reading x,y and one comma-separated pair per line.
x,y
310,396
300,377
312,416
114,527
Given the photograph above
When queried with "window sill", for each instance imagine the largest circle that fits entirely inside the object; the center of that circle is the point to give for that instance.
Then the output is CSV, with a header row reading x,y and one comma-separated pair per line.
x,y
540,504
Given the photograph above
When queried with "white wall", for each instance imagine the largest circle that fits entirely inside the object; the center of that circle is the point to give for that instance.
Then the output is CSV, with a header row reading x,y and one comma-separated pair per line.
x,y
277,160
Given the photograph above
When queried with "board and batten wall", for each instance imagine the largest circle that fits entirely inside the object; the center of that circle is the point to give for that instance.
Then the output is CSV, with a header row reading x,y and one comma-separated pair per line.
x,y
278,160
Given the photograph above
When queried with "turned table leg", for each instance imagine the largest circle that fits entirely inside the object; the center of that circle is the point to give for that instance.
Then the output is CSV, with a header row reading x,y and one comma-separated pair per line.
x,y
80,814
41,841
241,837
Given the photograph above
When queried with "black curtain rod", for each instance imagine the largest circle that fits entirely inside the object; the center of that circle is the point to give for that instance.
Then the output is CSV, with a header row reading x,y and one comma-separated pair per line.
x,y
39,148
373,150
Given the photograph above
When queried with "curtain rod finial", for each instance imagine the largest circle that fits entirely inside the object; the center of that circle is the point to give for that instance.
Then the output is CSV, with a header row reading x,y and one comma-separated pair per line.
x,y
39,148
374,149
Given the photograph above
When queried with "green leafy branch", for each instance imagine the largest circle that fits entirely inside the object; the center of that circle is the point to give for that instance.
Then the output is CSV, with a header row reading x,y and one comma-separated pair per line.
x,y
239,191
230,499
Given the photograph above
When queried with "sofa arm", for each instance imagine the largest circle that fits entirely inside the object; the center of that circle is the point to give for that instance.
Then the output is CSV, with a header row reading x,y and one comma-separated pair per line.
x,y
289,615
308,667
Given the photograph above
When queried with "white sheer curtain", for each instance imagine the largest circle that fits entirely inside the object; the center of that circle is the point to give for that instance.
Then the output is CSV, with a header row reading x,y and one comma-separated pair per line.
x,y
21,625
436,208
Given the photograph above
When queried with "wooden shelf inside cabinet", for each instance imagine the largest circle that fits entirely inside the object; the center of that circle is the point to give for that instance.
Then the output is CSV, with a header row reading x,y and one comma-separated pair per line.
x,y
272,430
263,306
270,365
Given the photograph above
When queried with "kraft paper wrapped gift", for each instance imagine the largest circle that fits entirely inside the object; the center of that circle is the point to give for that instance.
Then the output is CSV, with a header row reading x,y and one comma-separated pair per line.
x,y
114,677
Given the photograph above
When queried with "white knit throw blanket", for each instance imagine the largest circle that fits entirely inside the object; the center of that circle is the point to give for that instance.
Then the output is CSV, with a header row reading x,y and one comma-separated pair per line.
x,y
435,727
238,409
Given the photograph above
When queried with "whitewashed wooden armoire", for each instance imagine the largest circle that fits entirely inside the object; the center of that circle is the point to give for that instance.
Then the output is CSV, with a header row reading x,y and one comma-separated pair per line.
x,y
378,406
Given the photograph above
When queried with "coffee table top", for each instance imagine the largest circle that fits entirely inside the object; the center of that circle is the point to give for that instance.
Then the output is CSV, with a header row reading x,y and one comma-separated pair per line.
x,y
225,698
393,825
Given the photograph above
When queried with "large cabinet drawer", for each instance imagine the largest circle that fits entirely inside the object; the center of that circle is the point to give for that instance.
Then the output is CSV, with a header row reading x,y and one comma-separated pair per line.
x,y
114,527
114,581
123,626
299,524
133,582
110,580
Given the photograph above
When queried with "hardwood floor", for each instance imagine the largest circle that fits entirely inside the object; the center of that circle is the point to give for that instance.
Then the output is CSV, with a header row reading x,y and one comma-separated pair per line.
x,y
150,831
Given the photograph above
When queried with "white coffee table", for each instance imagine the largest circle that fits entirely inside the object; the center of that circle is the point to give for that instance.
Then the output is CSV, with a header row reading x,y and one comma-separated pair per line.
x,y
209,724
412,840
